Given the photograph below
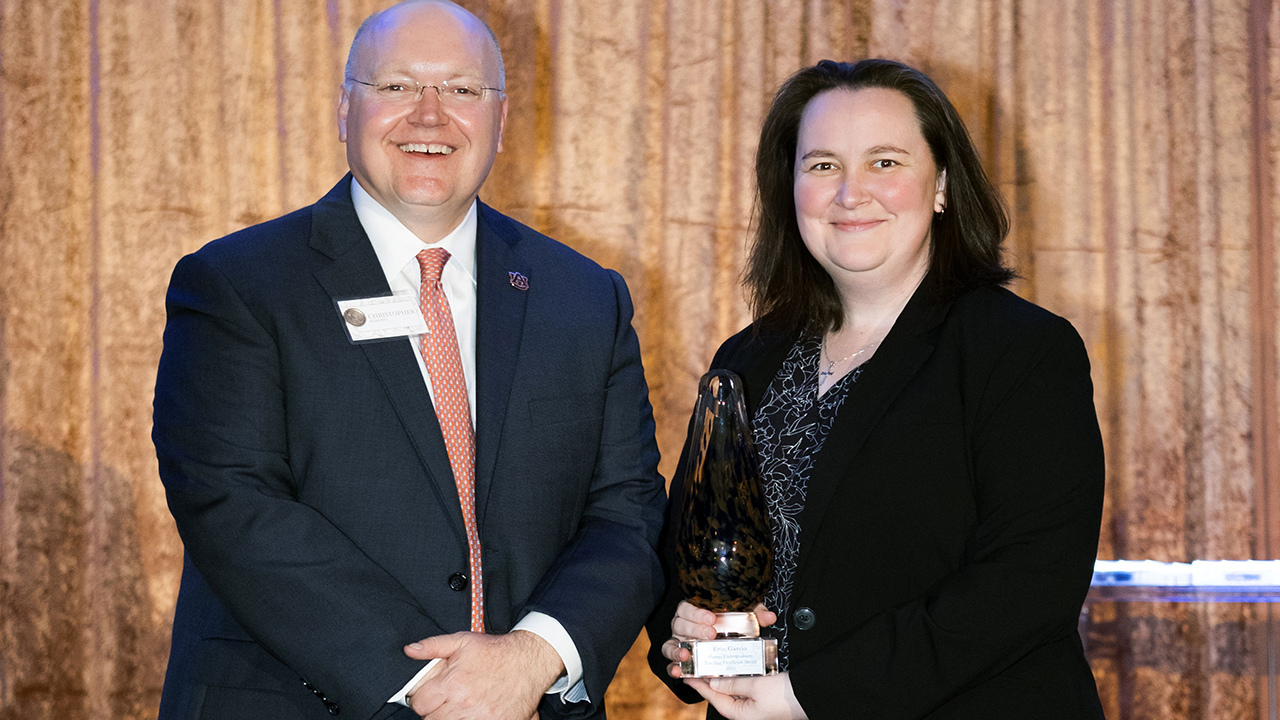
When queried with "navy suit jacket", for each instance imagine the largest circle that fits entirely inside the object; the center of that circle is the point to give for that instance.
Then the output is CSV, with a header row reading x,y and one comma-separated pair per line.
x,y
310,483
951,520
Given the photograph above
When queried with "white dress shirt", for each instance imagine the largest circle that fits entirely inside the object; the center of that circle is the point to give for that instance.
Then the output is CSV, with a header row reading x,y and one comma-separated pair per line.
x,y
397,249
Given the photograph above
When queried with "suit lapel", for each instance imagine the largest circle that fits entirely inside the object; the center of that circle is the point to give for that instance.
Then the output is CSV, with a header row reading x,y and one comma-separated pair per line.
x,y
500,309
353,271
904,350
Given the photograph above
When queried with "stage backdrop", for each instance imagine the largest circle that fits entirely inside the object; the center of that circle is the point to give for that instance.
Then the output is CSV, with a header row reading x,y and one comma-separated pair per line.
x,y
1131,139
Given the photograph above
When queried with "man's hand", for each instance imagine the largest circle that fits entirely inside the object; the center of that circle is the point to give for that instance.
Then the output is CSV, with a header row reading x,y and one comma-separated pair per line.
x,y
484,676
767,697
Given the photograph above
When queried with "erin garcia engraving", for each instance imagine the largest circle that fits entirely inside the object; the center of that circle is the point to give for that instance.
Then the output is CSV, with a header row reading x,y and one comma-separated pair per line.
x,y
724,559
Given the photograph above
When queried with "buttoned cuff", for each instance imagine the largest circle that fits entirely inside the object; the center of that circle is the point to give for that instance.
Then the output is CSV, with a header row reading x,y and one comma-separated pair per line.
x,y
569,687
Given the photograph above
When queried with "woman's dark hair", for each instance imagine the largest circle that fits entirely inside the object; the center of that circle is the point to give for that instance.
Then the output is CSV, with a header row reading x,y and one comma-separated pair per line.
x,y
784,282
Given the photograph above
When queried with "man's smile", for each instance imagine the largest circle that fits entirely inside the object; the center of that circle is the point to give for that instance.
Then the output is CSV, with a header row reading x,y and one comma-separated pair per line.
x,y
427,148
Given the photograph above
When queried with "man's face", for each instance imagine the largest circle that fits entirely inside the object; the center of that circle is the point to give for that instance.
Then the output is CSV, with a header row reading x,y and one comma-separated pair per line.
x,y
424,161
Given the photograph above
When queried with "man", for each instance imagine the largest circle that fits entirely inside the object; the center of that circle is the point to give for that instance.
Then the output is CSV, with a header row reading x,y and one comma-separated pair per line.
x,y
397,427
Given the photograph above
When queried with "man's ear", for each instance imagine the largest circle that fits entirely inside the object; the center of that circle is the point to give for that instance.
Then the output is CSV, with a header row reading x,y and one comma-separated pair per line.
x,y
502,124
344,104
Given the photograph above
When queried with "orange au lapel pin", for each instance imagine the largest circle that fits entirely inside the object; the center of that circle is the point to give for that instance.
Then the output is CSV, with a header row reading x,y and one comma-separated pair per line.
x,y
518,281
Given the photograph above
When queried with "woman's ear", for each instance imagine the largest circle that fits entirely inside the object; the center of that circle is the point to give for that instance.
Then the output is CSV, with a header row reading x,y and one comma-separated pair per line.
x,y
940,196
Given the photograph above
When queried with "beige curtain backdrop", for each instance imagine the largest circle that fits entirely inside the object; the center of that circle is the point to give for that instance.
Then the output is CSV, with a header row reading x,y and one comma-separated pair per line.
x,y
1131,138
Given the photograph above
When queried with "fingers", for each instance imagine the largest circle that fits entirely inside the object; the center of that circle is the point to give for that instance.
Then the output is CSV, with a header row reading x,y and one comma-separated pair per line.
x,y
689,630
765,616
425,700
701,686
672,651
727,686
750,698
693,623
694,613
732,686
725,704
436,647
431,669
485,676
731,697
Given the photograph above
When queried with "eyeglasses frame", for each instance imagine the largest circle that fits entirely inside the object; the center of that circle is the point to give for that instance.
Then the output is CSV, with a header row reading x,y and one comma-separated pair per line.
x,y
422,89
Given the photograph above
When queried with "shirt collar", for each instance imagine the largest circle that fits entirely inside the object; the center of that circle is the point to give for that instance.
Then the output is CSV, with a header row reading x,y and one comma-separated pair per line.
x,y
396,245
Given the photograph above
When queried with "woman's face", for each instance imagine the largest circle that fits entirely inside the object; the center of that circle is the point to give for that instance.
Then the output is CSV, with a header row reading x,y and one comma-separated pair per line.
x,y
866,188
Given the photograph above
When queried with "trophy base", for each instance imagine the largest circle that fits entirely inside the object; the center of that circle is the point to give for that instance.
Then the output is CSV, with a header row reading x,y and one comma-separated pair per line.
x,y
737,651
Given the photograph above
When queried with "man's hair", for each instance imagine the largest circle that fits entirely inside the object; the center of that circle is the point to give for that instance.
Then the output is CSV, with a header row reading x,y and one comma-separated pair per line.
x,y
785,284
362,32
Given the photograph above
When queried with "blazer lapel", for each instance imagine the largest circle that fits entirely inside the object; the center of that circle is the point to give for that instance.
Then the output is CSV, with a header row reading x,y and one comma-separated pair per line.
x,y
354,272
500,309
904,350
763,364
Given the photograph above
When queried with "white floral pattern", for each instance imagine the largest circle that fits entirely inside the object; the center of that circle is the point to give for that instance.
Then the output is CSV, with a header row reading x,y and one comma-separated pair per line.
x,y
790,426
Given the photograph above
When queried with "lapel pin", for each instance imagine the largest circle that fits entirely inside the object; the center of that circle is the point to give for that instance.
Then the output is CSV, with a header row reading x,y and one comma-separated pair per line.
x,y
518,281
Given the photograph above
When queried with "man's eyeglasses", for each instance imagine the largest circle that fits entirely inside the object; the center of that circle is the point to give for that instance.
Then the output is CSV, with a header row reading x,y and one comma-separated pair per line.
x,y
406,92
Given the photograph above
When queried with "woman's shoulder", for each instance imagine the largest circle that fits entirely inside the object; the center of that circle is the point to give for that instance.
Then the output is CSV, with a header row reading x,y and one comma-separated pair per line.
x,y
999,312
750,343
993,325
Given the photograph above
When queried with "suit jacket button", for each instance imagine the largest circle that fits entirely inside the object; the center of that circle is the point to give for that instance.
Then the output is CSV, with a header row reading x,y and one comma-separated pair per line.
x,y
333,708
803,619
458,582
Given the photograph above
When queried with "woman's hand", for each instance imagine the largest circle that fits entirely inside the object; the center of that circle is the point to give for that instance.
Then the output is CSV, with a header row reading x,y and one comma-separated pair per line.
x,y
766,697
689,623
694,623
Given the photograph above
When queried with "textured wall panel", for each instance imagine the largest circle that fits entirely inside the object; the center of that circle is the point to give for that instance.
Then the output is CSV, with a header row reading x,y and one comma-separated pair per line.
x,y
1131,138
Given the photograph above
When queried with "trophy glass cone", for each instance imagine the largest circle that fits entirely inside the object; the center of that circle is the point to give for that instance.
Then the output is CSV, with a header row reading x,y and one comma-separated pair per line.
x,y
724,556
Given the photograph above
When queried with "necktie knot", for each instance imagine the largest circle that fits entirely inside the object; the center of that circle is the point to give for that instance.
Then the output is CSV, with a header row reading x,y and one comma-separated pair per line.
x,y
431,263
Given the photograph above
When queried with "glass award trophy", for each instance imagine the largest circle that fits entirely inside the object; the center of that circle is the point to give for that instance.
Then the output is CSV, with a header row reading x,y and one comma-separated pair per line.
x,y
724,556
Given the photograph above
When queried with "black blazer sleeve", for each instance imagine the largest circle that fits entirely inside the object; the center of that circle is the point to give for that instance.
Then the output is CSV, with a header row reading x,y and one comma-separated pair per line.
x,y
607,578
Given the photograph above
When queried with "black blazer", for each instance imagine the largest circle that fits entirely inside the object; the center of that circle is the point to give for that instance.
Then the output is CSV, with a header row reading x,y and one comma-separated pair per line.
x,y
952,519
309,479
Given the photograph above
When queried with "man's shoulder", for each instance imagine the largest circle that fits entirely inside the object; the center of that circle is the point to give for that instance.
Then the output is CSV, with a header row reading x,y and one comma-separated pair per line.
x,y
269,239
263,262
537,246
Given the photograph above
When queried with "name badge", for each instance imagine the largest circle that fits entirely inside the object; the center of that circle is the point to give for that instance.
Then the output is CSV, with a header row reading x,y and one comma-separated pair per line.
x,y
380,318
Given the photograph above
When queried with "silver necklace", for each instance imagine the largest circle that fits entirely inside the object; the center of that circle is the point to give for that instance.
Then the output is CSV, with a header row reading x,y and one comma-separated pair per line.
x,y
831,364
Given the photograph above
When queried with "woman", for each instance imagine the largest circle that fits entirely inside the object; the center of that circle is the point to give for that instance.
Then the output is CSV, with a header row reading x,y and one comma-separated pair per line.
x,y
928,443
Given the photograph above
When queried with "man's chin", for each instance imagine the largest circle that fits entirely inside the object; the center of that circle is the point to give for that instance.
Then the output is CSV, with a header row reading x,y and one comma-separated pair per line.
x,y
420,199
415,209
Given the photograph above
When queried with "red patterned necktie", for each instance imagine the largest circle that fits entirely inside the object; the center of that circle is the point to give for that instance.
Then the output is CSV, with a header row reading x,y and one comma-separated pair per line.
x,y
449,395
